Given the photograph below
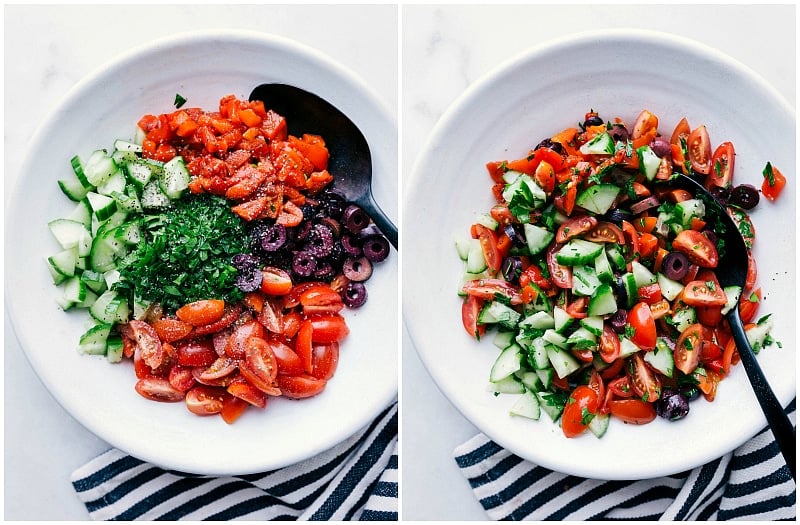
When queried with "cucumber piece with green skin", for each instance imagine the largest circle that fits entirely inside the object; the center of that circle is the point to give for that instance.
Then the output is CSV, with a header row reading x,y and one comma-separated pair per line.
x,y
602,268
661,358
527,406
115,183
616,258
757,335
94,340
669,289
529,379
683,318
508,362
551,403
73,189
82,213
584,280
649,162
99,167
504,338
603,302
554,338
642,276
74,290
498,313
64,262
600,144
71,234
507,385
582,338
476,261
176,178
598,198
462,245
540,303
593,323
631,289
138,173
627,347
732,293
103,206
114,348
537,238
539,354
578,252
563,362
689,208
127,146
561,319
487,220
546,376
153,197
541,320
599,424
77,169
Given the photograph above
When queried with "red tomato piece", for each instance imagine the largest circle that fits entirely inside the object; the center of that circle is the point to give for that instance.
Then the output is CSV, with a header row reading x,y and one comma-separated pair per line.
x,y
633,411
300,387
722,163
688,348
205,400
697,248
197,352
699,148
325,360
774,182
275,281
644,326
201,312
329,329
580,408
158,389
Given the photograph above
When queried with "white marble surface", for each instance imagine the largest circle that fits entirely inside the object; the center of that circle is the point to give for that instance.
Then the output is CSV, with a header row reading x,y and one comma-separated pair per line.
x,y
47,50
445,49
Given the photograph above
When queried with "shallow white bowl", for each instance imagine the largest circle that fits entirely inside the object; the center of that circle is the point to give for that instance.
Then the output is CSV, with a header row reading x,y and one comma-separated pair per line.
x,y
203,67
504,115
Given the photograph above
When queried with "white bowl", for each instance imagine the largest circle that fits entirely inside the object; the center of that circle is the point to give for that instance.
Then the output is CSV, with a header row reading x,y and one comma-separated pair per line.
x,y
549,88
202,67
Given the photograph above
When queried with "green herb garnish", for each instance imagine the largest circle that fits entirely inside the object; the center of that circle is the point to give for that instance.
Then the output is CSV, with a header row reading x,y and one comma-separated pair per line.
x,y
185,255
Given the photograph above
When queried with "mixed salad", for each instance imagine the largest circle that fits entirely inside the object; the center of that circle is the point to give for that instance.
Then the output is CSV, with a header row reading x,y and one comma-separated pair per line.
x,y
598,277
213,252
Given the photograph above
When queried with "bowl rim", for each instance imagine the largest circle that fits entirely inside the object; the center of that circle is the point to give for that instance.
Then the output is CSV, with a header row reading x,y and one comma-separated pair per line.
x,y
85,84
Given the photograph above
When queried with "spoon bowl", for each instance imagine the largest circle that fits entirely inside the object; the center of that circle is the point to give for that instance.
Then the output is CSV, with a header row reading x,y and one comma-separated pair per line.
x,y
350,161
732,271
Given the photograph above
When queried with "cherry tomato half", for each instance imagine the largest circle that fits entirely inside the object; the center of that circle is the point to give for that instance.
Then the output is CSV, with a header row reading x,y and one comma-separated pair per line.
x,y
699,146
688,348
633,411
722,163
697,248
644,326
580,407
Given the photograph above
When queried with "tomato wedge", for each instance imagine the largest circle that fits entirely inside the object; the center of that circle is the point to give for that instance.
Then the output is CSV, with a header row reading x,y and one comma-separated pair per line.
x,y
699,147
640,318
688,348
722,163
578,412
697,248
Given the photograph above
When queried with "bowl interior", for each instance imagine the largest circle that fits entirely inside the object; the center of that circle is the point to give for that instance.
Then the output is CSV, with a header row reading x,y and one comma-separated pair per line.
x,y
505,115
202,67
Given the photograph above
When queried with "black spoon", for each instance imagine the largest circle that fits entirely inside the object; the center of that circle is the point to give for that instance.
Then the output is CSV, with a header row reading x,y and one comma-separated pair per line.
x,y
350,161
732,271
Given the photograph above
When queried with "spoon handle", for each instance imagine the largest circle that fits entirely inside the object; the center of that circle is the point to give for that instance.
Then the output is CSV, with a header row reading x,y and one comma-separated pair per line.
x,y
777,419
386,226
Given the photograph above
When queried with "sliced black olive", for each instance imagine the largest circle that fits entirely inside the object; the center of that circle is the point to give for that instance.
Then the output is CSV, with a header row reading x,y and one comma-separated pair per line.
x,y
720,193
245,261
319,242
304,264
593,120
351,244
333,224
548,143
511,268
619,133
617,216
675,266
744,196
249,280
324,271
376,248
274,238
355,218
357,269
619,320
673,406
515,233
333,203
661,147
354,295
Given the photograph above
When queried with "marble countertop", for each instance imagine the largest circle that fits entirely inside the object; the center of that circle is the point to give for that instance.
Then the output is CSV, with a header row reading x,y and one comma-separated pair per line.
x,y
443,50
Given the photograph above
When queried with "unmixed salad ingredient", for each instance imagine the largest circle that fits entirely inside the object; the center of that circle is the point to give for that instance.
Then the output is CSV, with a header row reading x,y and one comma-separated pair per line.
x,y
599,277
213,252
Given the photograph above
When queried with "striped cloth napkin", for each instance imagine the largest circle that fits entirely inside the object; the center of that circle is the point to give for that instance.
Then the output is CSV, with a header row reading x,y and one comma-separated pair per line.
x,y
751,483
355,480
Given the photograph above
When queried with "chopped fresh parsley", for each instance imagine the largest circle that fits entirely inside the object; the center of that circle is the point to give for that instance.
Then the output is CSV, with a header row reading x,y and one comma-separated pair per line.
x,y
185,255
179,101
769,175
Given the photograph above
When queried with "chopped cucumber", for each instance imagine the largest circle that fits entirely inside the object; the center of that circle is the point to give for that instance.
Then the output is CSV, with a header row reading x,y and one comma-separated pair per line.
x,y
599,424
669,289
504,338
642,276
578,251
661,358
498,313
563,362
582,338
507,385
603,302
593,323
541,320
176,178
537,238
562,320
552,404
508,362
527,406
94,340
649,162
601,144
584,280
598,198
732,293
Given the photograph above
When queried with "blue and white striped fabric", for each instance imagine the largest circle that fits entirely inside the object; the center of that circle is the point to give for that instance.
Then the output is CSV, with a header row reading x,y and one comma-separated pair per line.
x,y
355,480
751,483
